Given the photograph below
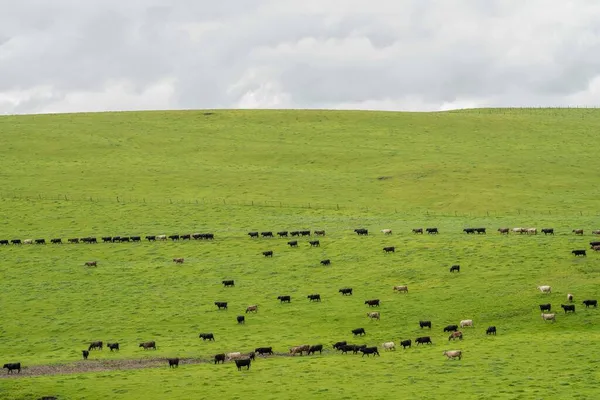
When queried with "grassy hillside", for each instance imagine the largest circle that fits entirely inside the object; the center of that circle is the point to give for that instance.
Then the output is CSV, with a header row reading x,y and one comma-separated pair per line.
x,y
468,162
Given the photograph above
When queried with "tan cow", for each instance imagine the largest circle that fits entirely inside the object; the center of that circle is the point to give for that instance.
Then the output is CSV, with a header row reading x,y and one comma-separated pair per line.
x,y
299,349
233,356
466,322
389,346
451,354
455,335
373,315
545,289
252,308
532,231
178,260
549,317
386,231
399,289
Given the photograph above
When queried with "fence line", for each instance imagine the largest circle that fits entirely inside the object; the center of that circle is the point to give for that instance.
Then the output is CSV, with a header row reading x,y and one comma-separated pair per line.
x,y
282,204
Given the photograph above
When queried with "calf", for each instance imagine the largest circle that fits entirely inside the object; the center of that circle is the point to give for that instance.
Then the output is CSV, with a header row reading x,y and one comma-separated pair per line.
x,y
418,231
590,303
268,253
578,231
314,243
221,305
372,303
241,319
406,343
548,231
423,340
549,317
545,307
455,268
284,299
53,241
10,367
113,346
148,345
569,307
315,348
455,335
266,234
264,350
173,362
314,297
293,243
253,308
282,234
178,260
369,350
432,231
451,328
345,291
253,234
242,363
219,358
389,249
491,330
326,262
95,345
228,283
374,315
451,354
359,331
85,353
207,336
578,253
424,324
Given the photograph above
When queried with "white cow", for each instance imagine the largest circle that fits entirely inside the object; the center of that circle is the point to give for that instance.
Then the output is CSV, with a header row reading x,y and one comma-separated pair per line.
x,y
453,354
549,317
386,231
161,237
545,289
389,346
373,315
466,322
234,356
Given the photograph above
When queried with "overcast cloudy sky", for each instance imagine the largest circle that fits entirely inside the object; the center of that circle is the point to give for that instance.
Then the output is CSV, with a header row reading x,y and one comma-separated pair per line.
x,y
93,55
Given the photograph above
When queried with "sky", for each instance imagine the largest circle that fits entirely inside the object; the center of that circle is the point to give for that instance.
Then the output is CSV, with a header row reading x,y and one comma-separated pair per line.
x,y
408,55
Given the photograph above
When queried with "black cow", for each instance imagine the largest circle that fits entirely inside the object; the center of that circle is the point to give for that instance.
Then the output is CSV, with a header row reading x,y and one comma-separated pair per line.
x,y
548,231
432,231
115,239
390,249
592,244
40,241
490,330
326,262
186,237
293,243
266,234
480,231
337,345
197,236
251,356
136,239
268,253
151,238
209,236
264,350
578,253
423,340
5,242
95,345
55,241
174,237
75,240
284,299
451,328
207,336
85,353
359,331
16,241
221,304
345,291
253,234
113,346
10,367
406,343
106,239
241,319
242,363
282,234
372,303
314,243
469,230
295,233
590,303
361,232
314,297
228,283
424,324
455,268
545,307
345,348
569,307
305,233
89,240
369,350
124,239
315,348
220,357
319,233
173,362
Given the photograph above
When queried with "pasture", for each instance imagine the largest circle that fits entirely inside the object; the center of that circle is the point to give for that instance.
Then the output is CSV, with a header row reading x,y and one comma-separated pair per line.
x,y
458,166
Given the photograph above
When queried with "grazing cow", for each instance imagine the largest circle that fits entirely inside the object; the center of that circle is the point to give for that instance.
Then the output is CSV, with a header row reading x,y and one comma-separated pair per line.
x,y
221,305
570,297
593,244
305,233
491,330
451,328
578,253
370,350
326,262
178,260
53,241
503,231
229,282
372,303
148,345
252,308
18,241
423,340
480,231
40,241
596,232
284,299
151,238
400,289
532,231
345,291
386,231
136,239
185,237
469,230
242,363
320,233
268,253
374,315
432,231
125,239
406,343
5,242
266,234
115,239
466,322
28,241
161,237
390,249
545,307
282,233
173,362
455,268
293,243
91,263
424,324
578,231
264,350
314,297
590,303
241,319
452,354
113,346
418,231
10,367
338,345
95,345
548,231
314,243
174,237
549,317
361,232
295,233
545,289
519,230
207,336
299,349
389,346
569,307
220,358
253,234
85,353
455,335
315,348
359,331
75,240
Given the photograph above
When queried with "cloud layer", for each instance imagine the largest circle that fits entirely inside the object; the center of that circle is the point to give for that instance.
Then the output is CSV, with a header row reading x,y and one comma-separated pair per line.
x,y
69,55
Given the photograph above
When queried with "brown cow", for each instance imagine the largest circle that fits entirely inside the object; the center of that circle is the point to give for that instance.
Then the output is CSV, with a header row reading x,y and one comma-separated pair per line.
x,y
455,335
503,231
578,231
178,260
91,263
299,349
253,308
148,345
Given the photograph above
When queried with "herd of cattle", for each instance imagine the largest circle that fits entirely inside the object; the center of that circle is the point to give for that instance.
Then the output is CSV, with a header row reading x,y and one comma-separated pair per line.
x,y
245,359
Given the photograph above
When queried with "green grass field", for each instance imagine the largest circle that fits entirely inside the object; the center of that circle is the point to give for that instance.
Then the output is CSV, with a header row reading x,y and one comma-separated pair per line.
x,y
184,172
